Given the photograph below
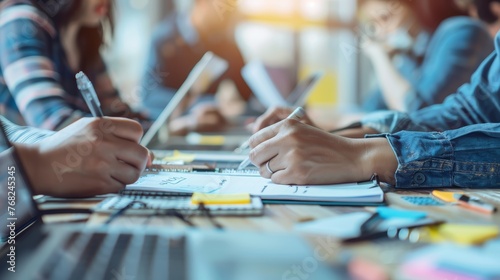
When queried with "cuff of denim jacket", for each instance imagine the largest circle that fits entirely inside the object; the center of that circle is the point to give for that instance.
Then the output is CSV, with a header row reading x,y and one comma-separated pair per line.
x,y
425,160
386,121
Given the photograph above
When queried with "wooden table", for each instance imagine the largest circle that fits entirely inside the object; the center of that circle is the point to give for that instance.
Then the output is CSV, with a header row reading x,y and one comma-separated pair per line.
x,y
383,254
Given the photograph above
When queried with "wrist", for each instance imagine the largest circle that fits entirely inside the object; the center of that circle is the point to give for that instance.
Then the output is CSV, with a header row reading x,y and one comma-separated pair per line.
x,y
378,157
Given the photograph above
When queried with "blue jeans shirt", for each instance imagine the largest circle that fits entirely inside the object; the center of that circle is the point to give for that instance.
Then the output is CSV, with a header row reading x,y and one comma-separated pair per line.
x,y
456,143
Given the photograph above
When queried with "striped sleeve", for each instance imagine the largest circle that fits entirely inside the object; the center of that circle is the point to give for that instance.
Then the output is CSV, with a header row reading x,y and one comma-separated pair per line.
x,y
26,35
20,134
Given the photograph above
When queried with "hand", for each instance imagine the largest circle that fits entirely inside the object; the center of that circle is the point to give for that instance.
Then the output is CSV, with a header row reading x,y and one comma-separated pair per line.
x,y
90,157
300,154
274,115
203,118
373,49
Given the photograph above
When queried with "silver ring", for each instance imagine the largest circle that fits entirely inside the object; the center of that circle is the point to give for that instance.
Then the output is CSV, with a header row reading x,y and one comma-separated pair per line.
x,y
269,168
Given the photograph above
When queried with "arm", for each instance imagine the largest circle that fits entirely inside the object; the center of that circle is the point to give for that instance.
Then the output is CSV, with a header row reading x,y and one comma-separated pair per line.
x,y
477,102
300,154
393,85
90,157
457,48
31,76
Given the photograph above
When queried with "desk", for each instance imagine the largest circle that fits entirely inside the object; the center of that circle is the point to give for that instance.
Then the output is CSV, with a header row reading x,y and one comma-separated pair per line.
x,y
386,254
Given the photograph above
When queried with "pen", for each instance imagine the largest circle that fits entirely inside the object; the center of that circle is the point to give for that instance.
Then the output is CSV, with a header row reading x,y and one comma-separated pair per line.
x,y
298,114
474,203
88,92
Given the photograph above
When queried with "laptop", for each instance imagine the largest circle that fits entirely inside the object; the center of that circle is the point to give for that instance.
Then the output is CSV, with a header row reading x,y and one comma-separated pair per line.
x,y
204,73
34,250
258,78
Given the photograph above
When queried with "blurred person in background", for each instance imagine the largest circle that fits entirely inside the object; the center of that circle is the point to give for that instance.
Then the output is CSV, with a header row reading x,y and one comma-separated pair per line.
x,y
179,42
421,51
486,10
43,44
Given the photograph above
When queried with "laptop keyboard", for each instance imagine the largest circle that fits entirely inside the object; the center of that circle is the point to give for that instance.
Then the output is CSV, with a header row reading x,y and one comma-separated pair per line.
x,y
93,256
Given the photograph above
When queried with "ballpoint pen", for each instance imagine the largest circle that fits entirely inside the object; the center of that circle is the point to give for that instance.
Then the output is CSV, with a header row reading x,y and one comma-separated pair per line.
x,y
88,92
298,114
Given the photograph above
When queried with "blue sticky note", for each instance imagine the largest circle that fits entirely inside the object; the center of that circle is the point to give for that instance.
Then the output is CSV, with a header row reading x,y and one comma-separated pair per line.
x,y
389,213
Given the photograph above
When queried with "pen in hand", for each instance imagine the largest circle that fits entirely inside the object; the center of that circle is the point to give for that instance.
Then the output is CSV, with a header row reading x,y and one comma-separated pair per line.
x,y
298,114
88,92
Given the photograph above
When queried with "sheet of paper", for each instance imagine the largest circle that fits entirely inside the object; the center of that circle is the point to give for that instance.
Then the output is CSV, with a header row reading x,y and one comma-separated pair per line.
x,y
342,226
254,185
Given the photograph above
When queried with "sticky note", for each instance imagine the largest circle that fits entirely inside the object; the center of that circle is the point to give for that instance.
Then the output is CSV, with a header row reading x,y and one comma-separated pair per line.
x,y
445,196
209,199
467,234
389,213
178,156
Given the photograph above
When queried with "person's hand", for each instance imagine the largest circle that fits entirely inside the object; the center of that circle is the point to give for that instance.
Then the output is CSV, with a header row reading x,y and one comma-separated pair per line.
x,y
203,118
90,157
374,49
300,154
274,115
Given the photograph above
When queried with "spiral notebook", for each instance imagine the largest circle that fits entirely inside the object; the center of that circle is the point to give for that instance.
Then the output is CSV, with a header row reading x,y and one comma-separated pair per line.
x,y
356,194
157,203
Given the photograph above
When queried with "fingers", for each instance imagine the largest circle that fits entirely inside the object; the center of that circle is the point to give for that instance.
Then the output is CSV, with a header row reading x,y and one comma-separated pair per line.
x,y
124,173
271,167
270,117
264,135
123,128
130,153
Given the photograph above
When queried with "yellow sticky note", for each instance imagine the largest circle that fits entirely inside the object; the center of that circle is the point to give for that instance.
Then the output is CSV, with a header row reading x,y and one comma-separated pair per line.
x,y
178,156
208,199
467,234
445,196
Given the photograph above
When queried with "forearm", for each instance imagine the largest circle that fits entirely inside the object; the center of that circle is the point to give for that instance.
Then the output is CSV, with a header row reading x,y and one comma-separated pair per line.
x,y
467,157
394,86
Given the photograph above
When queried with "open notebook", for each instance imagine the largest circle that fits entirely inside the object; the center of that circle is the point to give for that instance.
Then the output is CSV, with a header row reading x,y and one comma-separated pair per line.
x,y
365,193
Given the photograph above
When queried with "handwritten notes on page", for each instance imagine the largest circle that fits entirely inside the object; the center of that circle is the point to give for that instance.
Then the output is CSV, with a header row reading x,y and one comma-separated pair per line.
x,y
258,186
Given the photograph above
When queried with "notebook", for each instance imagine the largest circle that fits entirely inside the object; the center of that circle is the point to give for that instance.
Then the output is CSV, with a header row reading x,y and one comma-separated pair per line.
x,y
156,204
364,193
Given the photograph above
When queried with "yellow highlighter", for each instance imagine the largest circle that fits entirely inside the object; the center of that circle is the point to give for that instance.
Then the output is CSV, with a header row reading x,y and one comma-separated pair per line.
x,y
220,199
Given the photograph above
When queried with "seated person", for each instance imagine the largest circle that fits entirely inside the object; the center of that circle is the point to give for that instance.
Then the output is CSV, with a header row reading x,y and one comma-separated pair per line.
x,y
91,156
179,43
421,51
42,46
472,104
469,156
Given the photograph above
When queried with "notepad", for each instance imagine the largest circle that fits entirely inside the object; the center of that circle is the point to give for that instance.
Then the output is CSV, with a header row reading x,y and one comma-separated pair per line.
x,y
182,204
367,192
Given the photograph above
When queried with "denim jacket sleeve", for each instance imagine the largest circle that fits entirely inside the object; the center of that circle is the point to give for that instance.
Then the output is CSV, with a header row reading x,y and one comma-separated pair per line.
x,y
468,157
457,48
477,102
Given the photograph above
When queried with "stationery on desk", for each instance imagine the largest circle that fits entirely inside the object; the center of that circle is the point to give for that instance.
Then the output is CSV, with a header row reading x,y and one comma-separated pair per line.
x,y
150,204
470,202
365,193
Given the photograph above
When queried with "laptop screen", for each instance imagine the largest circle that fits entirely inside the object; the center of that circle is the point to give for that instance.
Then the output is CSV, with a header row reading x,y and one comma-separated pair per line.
x,y
17,208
